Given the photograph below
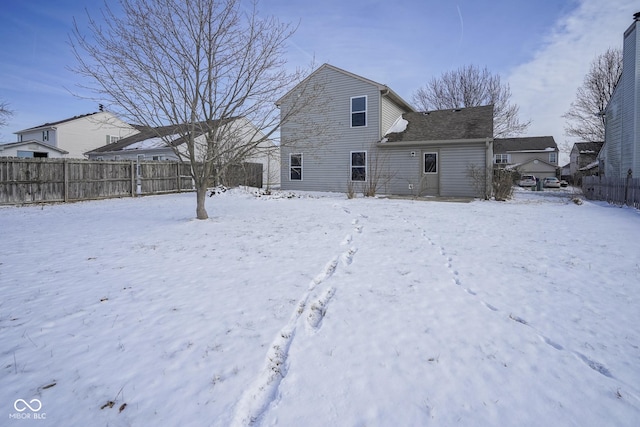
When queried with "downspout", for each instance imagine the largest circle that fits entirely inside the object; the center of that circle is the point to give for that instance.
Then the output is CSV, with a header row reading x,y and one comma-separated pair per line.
x,y
489,168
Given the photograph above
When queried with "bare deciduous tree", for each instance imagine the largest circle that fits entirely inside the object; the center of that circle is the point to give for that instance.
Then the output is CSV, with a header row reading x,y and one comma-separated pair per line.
x,y
5,113
584,118
210,68
470,86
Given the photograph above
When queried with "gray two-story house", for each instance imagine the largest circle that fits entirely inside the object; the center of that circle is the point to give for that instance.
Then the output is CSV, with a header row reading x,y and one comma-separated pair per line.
x,y
341,132
327,143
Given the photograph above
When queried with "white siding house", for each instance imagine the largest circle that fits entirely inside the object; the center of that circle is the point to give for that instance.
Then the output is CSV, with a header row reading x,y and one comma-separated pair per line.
x,y
79,134
621,152
31,149
166,143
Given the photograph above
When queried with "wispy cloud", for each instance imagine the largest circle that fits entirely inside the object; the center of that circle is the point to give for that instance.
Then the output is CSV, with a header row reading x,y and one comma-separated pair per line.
x,y
545,86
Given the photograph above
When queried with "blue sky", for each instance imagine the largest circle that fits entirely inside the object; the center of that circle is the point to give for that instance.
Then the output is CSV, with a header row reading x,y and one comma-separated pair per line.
x,y
541,48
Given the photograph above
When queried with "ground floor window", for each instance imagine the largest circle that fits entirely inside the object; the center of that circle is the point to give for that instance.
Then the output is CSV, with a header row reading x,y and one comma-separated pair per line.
x,y
430,162
295,167
358,166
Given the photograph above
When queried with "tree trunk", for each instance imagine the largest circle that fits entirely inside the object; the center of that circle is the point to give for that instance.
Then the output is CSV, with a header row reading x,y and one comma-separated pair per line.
x,y
201,196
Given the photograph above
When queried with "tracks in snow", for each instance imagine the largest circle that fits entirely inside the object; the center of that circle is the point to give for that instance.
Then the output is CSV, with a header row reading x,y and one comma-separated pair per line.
x,y
311,307
456,280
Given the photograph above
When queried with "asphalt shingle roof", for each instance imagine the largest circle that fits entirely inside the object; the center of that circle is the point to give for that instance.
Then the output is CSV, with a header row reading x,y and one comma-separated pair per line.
x,y
442,125
531,143
589,147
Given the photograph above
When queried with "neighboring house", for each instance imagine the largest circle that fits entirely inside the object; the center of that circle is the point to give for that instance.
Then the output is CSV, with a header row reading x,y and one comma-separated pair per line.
x,y
584,154
31,149
440,153
371,137
565,172
537,155
161,143
79,134
621,153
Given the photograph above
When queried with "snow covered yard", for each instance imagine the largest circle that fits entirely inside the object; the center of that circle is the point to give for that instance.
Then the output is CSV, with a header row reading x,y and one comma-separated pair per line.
x,y
318,310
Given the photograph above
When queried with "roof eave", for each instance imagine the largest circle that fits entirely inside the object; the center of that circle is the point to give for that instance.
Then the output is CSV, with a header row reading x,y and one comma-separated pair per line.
x,y
434,142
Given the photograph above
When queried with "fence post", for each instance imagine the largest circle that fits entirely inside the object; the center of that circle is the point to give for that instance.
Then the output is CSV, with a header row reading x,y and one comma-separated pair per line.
x,y
65,168
133,181
626,187
178,176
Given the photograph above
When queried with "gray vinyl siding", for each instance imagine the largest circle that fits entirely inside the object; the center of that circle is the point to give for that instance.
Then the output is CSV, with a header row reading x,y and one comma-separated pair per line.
x,y
454,169
400,170
326,157
405,169
390,113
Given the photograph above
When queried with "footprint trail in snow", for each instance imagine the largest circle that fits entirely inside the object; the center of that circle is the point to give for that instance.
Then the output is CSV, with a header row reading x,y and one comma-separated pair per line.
x,y
264,389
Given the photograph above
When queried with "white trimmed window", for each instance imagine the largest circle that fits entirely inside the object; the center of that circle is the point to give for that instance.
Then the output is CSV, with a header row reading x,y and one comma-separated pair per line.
x,y
553,157
358,166
358,111
430,163
295,167
502,159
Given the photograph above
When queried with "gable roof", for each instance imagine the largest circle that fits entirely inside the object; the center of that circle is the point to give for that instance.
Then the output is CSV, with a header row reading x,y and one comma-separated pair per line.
x,y
32,141
529,143
440,125
534,161
49,125
384,89
588,147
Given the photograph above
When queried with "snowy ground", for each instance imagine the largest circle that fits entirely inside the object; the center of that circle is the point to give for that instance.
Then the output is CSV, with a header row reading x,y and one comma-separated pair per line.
x,y
320,311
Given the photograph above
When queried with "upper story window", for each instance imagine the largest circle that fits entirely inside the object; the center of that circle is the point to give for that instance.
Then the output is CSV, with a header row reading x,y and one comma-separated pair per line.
x,y
45,135
553,157
358,111
113,138
501,159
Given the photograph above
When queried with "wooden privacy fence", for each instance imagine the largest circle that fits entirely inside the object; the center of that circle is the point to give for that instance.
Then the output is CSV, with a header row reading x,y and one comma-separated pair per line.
x,y
34,180
617,191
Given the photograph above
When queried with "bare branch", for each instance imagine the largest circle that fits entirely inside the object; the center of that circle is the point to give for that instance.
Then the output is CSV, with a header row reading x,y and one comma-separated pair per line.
x,y
5,113
210,68
585,120
469,86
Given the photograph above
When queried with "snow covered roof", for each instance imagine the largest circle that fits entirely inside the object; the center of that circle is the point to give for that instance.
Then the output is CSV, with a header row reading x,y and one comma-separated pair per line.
x,y
151,143
590,166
